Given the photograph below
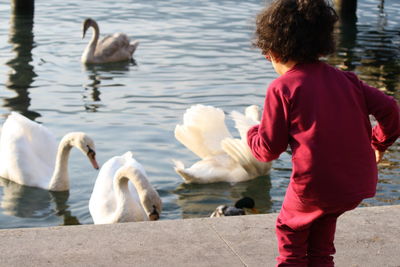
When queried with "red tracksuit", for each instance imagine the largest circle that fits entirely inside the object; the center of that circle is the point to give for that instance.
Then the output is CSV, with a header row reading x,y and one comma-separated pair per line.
x,y
323,114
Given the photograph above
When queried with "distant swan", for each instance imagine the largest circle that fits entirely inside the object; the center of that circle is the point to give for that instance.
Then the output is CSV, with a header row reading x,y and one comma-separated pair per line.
x,y
223,158
112,48
29,154
122,193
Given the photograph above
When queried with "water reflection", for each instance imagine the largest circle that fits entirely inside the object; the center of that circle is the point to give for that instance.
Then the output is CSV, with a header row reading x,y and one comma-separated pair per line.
x,y
200,200
98,73
92,93
369,50
31,202
346,32
113,67
22,74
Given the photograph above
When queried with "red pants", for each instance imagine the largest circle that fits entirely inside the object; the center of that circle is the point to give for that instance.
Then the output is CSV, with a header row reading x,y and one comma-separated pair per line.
x,y
305,233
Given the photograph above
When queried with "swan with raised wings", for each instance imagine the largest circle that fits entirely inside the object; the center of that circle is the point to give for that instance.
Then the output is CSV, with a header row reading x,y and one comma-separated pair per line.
x,y
122,193
112,48
223,158
29,154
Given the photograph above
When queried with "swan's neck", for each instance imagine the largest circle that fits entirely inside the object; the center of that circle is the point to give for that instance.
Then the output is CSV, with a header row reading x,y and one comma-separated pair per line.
x,y
60,179
128,208
147,195
91,47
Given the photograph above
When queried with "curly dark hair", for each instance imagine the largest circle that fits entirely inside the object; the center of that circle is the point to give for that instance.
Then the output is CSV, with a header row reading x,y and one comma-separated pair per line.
x,y
298,30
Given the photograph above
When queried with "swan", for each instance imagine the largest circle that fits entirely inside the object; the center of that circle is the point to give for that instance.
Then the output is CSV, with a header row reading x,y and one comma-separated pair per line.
x,y
122,193
112,48
29,154
223,158
239,209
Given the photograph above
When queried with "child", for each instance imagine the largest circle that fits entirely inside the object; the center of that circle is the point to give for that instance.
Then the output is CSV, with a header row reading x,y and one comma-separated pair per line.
x,y
323,114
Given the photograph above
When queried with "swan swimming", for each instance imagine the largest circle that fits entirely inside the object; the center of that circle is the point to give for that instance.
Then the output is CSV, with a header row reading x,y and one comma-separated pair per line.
x,y
122,193
223,158
112,48
29,154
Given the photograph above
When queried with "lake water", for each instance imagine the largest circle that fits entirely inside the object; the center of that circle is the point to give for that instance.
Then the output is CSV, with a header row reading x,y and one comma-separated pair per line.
x,y
190,52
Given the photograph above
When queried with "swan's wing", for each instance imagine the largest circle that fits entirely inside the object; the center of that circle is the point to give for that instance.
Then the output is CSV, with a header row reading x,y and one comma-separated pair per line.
x,y
253,112
239,151
203,130
243,123
202,172
221,168
40,138
112,44
27,151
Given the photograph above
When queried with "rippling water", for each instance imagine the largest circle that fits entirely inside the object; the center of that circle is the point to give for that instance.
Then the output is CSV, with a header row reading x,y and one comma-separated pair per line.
x,y
189,52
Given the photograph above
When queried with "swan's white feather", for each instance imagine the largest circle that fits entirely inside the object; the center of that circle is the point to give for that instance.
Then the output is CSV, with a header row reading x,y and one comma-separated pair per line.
x,y
202,131
103,201
27,151
241,153
223,158
243,122
219,168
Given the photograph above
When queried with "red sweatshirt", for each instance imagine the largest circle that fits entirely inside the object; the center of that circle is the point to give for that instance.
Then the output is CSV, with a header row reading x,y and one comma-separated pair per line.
x,y
323,114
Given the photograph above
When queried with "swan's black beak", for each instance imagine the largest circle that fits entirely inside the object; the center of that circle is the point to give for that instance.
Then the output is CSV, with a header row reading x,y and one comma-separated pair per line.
x,y
92,158
154,215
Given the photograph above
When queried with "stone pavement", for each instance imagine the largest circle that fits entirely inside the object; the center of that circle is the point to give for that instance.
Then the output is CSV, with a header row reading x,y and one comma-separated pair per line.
x,y
365,237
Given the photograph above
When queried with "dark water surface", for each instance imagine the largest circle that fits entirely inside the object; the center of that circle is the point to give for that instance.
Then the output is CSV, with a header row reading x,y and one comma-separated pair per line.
x,y
189,53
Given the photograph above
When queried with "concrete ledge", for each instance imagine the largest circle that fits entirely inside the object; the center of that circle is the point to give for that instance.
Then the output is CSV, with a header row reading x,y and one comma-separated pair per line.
x,y
365,237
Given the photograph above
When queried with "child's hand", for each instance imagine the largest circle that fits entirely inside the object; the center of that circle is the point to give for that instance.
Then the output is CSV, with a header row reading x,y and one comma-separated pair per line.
x,y
379,155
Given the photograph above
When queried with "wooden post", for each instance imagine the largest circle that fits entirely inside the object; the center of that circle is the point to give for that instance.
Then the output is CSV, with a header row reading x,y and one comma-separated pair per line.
x,y
346,8
23,7
382,5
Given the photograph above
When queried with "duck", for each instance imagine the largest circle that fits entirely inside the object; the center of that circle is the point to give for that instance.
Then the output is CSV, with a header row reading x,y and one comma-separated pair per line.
x,y
30,156
223,158
239,209
123,193
112,48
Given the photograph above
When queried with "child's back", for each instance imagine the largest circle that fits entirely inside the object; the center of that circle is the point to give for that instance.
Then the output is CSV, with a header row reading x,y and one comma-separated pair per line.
x,y
330,131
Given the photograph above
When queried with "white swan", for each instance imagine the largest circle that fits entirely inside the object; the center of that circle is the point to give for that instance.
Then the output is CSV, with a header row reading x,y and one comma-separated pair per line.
x,y
223,158
112,48
29,154
122,193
